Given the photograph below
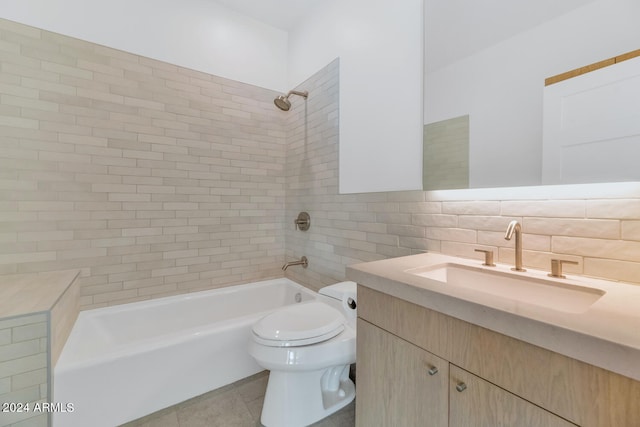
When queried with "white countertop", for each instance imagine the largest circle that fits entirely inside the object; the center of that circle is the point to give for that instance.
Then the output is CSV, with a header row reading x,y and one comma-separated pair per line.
x,y
606,334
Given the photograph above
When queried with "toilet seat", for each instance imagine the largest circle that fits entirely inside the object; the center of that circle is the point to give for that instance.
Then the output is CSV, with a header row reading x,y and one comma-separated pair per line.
x,y
298,325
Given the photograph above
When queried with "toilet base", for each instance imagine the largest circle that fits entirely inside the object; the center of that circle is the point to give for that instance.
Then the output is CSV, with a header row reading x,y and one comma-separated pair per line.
x,y
300,398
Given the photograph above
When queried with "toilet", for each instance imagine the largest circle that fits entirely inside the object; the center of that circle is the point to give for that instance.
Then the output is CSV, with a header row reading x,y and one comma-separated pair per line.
x,y
308,347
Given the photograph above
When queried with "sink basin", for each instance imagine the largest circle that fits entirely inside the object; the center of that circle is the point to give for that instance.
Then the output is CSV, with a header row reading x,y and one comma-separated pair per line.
x,y
517,287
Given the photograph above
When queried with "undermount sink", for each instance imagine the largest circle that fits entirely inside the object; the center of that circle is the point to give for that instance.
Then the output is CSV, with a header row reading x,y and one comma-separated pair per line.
x,y
514,286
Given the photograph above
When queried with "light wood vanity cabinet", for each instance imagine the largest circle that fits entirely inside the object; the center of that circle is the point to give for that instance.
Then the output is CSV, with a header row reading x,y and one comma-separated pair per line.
x,y
402,385
508,382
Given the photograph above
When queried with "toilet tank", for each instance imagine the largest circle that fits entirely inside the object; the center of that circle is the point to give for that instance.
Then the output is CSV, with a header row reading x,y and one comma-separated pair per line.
x,y
343,296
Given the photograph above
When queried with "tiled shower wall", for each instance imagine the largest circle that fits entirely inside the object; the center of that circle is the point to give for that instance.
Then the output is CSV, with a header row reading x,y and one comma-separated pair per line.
x,y
602,233
151,178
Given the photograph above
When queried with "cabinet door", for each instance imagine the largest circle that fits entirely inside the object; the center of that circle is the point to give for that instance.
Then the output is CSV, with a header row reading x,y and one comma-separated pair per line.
x,y
398,384
478,403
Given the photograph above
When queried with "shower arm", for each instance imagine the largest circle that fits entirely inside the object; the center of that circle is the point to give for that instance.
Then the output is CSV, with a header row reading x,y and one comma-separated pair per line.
x,y
295,92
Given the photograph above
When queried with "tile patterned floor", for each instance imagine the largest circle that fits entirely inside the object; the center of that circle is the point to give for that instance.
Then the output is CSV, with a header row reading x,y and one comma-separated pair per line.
x,y
236,405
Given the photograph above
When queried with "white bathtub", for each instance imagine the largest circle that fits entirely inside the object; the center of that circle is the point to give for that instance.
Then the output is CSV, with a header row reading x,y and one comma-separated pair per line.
x,y
121,363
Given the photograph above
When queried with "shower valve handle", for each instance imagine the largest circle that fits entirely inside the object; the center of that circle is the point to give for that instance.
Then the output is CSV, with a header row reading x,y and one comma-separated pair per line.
x,y
303,222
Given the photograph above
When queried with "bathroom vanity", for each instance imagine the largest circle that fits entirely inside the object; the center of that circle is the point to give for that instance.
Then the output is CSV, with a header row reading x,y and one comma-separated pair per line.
x,y
441,343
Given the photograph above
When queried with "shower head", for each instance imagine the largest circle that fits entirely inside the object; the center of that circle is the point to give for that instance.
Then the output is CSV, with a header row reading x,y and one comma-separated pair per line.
x,y
282,101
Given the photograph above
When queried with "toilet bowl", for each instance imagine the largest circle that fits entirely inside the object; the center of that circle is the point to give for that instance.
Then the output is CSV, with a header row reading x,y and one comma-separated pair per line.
x,y
308,347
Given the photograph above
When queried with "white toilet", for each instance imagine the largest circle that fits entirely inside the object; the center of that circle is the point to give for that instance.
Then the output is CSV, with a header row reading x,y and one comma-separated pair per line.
x,y
308,348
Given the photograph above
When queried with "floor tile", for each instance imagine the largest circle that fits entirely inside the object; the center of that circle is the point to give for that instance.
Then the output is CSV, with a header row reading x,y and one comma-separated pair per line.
x,y
221,410
164,418
235,405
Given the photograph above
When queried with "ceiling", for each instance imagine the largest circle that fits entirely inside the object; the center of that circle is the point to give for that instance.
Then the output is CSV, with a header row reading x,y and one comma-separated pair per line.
x,y
282,14
454,29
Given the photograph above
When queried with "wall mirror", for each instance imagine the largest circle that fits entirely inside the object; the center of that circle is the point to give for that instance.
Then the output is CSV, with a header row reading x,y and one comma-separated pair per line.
x,y
488,61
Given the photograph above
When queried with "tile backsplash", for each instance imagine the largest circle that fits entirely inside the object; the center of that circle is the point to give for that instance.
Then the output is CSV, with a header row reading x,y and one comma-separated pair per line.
x,y
153,179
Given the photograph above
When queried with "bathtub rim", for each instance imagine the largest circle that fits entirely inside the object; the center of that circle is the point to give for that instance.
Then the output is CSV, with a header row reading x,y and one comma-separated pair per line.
x,y
176,337
192,295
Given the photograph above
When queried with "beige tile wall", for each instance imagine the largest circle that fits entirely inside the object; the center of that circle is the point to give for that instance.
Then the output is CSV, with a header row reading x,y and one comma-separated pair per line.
x,y
23,369
151,178
602,233
155,179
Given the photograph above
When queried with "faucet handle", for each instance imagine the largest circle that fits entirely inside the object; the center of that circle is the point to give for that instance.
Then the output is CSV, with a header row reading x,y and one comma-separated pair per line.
x,y
556,267
488,257
303,221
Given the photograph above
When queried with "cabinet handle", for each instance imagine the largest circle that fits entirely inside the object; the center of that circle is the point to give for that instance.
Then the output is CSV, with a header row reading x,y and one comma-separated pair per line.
x,y
461,387
433,371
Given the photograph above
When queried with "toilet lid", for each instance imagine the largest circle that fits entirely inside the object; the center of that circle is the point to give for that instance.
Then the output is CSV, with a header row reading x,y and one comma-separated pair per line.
x,y
300,324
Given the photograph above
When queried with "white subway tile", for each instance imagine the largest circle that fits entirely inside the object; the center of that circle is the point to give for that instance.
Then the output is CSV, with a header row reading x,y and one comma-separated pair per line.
x,y
544,208
631,230
471,207
452,234
605,229
597,248
622,209
626,271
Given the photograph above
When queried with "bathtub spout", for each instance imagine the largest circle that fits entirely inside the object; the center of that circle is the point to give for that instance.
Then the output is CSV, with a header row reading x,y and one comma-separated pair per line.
x,y
304,262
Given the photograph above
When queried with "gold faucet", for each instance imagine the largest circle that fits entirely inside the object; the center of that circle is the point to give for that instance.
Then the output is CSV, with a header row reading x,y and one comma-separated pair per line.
x,y
514,226
304,262
556,267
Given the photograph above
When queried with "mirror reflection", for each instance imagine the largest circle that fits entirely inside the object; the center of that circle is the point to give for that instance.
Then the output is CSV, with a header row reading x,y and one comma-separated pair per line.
x,y
489,61
445,154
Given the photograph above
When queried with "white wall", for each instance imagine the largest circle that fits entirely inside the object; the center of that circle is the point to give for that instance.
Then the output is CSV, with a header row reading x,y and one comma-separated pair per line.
x,y
197,34
379,43
501,87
